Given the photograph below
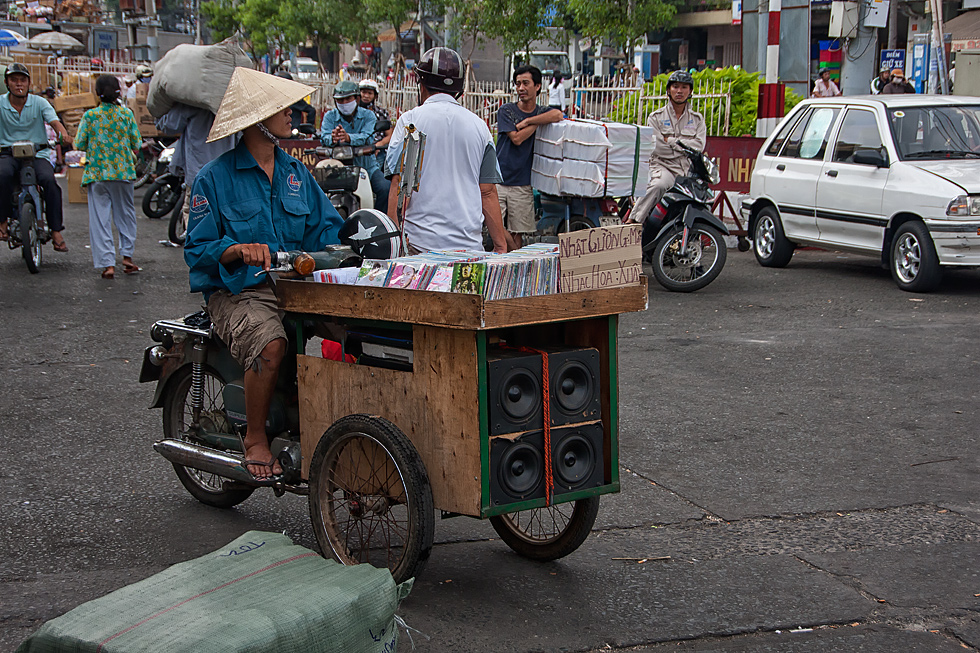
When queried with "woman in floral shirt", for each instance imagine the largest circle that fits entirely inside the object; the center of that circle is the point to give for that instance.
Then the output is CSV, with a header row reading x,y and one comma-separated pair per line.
x,y
109,136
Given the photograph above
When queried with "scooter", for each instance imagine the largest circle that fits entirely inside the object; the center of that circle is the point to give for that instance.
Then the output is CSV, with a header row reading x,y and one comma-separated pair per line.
x,y
683,241
166,190
348,186
26,228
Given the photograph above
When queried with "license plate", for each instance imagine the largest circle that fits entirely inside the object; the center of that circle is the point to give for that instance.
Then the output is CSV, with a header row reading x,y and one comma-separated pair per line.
x,y
609,221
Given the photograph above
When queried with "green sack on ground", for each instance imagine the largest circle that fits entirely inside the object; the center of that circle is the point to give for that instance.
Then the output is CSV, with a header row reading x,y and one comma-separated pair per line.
x,y
258,593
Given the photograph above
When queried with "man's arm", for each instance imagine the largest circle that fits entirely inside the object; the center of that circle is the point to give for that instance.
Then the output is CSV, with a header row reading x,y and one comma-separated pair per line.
x,y
393,200
492,217
525,129
175,121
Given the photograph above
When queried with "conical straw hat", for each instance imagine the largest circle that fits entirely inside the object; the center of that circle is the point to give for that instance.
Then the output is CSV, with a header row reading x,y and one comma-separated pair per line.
x,y
252,97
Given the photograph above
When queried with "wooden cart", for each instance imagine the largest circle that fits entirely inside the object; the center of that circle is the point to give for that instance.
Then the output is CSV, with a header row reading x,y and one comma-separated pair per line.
x,y
390,446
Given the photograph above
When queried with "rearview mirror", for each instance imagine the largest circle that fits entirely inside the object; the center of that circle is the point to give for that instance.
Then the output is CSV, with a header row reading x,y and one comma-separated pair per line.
x,y
871,158
382,125
306,128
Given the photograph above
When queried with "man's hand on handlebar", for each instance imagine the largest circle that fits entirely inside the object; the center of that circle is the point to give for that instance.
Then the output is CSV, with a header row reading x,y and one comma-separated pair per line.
x,y
256,254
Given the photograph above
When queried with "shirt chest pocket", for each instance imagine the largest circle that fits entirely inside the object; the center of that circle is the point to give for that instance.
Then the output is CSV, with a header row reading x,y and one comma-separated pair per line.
x,y
690,130
293,225
242,220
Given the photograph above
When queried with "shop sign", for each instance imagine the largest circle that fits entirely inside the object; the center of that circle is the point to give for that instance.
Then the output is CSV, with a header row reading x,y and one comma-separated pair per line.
x,y
736,12
893,59
104,39
296,148
735,156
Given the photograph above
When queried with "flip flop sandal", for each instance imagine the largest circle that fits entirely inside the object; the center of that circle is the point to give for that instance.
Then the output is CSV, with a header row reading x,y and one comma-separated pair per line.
x,y
60,247
261,463
106,274
132,268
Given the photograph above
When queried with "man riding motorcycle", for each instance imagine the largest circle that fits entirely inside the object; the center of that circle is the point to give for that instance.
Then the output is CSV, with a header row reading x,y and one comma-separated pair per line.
x,y
246,204
673,123
369,100
22,118
353,125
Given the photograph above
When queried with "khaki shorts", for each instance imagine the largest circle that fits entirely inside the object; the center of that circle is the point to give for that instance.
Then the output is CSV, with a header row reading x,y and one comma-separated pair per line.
x,y
517,208
247,322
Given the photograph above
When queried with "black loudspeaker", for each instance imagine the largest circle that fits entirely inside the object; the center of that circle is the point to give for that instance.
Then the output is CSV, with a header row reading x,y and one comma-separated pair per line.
x,y
514,392
516,468
577,460
575,389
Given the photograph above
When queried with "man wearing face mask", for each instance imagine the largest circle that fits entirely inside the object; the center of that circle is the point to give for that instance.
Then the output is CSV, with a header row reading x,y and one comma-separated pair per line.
x,y
352,125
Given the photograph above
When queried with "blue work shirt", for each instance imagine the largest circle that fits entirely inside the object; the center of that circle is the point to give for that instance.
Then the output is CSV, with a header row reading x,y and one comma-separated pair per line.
x,y
360,130
28,125
232,202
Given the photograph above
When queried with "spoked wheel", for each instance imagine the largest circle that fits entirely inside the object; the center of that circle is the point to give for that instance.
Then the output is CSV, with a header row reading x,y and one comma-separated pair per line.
x,y
370,498
550,533
30,239
177,418
144,169
694,268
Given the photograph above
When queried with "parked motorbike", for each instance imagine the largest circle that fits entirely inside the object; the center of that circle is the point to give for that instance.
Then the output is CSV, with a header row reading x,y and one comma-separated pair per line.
x,y
166,190
147,159
683,241
26,228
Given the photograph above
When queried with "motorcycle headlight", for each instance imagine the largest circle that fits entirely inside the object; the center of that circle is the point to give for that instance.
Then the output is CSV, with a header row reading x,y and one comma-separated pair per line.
x,y
342,152
166,156
714,174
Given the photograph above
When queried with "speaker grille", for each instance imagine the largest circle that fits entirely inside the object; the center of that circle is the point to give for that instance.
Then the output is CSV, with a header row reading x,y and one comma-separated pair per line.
x,y
575,390
577,457
515,393
516,468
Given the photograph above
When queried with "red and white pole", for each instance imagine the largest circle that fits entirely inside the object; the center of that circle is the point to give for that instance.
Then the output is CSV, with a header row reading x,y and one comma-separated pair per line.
x,y
772,95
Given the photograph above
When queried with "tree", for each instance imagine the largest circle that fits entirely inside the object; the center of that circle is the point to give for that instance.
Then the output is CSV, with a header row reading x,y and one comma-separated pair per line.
x,y
516,22
325,22
623,22
391,12
222,18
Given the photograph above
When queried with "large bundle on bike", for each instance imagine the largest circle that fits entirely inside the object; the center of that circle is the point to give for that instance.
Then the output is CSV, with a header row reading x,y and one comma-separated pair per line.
x,y
587,158
196,75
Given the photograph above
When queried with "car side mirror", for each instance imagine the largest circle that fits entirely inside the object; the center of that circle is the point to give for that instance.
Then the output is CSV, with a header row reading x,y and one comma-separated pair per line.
x,y
871,158
306,128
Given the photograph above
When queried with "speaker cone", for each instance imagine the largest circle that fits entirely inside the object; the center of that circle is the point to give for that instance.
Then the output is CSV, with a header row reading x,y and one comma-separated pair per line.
x,y
519,394
574,460
573,387
521,469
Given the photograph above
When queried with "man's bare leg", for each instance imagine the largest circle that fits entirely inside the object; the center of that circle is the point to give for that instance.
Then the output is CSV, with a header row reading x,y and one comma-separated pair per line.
x,y
260,383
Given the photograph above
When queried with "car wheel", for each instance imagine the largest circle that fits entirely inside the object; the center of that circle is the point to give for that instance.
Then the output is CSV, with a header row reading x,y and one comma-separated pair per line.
x,y
772,249
914,264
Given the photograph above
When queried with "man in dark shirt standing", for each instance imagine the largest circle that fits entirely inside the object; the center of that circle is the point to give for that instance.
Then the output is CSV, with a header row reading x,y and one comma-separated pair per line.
x,y
516,124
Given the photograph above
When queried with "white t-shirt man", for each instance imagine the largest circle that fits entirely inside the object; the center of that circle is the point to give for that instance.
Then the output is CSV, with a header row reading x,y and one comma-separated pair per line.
x,y
447,210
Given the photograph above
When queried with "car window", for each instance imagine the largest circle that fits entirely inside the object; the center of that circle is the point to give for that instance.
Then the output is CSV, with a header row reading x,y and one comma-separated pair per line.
x,y
936,132
858,131
809,137
783,134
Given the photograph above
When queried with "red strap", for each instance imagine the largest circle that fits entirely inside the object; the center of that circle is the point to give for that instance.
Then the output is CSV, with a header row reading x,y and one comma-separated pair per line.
x,y
549,478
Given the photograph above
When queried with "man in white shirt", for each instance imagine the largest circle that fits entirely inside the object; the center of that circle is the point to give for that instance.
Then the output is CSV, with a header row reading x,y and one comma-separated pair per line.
x,y
457,192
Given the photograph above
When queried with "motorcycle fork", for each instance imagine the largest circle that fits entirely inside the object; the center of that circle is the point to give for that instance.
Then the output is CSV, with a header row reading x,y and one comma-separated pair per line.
x,y
197,356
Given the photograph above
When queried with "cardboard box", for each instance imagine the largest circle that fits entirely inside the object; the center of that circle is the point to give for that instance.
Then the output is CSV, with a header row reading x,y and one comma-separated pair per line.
x,y
144,119
142,90
607,257
77,101
76,194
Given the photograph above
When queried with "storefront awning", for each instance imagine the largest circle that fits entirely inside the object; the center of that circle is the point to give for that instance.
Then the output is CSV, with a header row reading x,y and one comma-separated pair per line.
x,y
410,32
965,30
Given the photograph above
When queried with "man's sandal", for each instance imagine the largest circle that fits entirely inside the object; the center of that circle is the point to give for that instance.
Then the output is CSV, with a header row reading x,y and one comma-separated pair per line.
x,y
261,463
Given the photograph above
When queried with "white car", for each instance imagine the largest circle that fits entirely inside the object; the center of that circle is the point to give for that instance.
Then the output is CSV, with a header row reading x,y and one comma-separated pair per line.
x,y
895,176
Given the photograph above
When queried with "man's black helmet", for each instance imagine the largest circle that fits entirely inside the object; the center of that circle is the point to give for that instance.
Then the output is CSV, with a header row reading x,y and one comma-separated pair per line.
x,y
680,77
371,234
16,68
441,69
284,74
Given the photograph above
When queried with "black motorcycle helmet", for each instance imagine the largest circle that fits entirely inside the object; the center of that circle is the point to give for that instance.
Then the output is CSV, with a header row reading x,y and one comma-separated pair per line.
x,y
680,77
441,70
16,68
284,74
371,234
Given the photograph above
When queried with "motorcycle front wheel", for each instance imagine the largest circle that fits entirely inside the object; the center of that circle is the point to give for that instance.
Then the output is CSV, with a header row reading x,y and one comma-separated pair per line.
x,y
177,230
159,200
206,487
694,268
30,239
144,169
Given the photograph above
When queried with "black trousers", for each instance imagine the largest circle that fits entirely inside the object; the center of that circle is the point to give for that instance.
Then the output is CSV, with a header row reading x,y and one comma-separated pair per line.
x,y
44,171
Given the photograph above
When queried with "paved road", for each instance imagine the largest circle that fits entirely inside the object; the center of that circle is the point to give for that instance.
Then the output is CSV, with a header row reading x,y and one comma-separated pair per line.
x,y
799,446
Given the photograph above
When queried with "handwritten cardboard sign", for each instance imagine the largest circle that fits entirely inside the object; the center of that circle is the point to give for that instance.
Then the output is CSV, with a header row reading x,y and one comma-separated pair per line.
x,y
607,257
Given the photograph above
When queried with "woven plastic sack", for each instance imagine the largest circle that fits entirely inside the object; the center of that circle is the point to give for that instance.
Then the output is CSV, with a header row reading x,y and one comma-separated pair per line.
x,y
260,593
197,75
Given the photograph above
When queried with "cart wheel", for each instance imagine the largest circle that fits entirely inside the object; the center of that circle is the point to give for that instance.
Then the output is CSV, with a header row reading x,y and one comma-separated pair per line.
x,y
370,498
550,533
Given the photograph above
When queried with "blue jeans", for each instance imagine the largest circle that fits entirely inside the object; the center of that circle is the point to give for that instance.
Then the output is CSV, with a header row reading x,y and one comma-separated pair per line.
x,y
380,186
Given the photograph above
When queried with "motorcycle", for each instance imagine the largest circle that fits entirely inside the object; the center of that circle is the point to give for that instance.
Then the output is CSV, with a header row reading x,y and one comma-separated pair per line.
x,y
26,228
683,241
348,186
147,160
166,191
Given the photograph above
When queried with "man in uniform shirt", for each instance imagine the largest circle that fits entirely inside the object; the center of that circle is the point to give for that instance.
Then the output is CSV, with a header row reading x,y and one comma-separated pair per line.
x,y
246,204
22,118
457,183
349,124
516,124
674,123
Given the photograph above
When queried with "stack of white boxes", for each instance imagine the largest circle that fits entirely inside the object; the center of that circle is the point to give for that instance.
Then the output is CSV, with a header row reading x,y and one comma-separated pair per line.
x,y
586,158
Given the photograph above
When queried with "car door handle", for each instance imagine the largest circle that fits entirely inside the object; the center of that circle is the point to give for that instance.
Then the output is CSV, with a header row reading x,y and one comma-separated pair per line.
x,y
781,167
831,173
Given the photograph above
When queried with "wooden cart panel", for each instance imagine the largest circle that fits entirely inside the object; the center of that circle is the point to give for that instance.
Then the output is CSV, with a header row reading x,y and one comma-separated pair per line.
x,y
437,407
455,310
